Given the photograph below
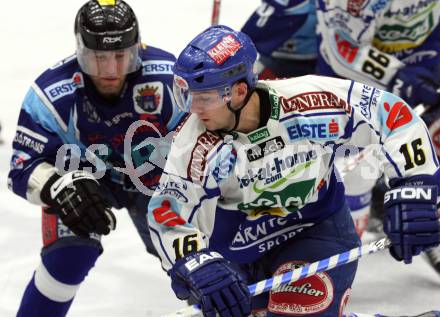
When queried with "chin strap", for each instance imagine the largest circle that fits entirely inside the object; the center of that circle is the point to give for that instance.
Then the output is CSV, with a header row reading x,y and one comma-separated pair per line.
x,y
237,112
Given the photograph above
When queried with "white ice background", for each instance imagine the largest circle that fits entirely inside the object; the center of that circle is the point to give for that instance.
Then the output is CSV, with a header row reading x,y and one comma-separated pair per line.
x,y
126,281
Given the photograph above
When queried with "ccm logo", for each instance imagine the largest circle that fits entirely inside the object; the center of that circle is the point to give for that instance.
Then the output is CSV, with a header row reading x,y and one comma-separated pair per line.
x,y
112,39
408,193
202,258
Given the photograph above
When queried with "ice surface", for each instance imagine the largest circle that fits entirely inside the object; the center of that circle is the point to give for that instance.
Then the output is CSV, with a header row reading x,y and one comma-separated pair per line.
x,y
126,281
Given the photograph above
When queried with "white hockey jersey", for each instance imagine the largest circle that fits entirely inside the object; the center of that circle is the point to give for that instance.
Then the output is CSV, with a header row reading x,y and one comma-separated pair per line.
x,y
370,40
244,194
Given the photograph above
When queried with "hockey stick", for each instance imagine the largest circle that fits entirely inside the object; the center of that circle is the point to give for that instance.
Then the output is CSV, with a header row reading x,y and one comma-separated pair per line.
x,y
421,108
300,273
215,12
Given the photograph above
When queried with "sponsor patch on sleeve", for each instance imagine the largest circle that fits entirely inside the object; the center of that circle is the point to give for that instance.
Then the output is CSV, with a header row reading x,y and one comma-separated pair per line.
x,y
157,67
62,88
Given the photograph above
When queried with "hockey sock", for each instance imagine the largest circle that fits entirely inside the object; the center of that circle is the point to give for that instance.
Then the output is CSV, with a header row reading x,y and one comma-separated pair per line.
x,y
56,281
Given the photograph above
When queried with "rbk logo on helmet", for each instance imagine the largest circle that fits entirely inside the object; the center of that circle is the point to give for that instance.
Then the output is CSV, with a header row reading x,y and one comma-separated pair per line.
x,y
226,48
115,39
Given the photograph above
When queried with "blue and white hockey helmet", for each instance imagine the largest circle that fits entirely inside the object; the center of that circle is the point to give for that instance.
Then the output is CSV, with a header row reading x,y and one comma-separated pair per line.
x,y
214,60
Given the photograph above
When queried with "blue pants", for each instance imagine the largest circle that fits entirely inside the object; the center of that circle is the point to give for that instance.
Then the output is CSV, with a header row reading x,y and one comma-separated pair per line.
x,y
67,258
324,294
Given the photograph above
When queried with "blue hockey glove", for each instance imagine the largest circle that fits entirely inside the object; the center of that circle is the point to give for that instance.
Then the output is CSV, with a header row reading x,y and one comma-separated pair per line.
x,y
211,281
416,85
411,220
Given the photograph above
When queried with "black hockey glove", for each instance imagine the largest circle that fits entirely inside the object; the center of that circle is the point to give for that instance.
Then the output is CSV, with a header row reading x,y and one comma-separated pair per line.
x,y
77,199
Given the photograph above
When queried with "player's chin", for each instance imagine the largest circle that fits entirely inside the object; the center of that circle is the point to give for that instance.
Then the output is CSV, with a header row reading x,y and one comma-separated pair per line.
x,y
110,88
208,123
213,126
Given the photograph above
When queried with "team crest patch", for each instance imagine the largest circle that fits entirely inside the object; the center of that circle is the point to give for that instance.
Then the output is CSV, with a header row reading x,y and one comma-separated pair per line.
x,y
308,296
148,98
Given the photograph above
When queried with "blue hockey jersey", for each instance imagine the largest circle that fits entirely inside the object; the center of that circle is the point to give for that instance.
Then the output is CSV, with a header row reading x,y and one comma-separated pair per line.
x,y
64,124
284,29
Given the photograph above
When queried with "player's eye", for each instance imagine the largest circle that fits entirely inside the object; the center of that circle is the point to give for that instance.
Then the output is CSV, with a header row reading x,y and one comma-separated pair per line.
x,y
119,55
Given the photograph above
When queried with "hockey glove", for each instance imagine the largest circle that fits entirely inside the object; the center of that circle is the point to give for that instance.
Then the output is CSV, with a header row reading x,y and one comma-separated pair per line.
x,y
212,282
77,199
411,220
416,85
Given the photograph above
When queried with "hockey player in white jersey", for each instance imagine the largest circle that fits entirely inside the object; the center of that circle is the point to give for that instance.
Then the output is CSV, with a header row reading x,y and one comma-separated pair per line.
x,y
393,44
249,189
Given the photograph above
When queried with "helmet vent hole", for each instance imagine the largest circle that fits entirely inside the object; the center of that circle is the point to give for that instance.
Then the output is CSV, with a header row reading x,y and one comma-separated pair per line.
x,y
199,79
199,66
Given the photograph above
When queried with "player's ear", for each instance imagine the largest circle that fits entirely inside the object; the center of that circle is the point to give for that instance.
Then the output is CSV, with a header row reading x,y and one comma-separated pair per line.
x,y
240,90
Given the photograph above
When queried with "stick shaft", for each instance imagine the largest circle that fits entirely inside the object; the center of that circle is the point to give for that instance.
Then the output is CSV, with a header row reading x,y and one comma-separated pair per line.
x,y
317,267
215,12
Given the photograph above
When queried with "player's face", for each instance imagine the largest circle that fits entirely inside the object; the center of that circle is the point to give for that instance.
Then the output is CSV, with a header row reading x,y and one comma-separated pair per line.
x,y
211,109
110,69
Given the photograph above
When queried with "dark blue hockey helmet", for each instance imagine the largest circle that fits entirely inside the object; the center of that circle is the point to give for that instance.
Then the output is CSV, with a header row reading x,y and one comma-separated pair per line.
x,y
215,59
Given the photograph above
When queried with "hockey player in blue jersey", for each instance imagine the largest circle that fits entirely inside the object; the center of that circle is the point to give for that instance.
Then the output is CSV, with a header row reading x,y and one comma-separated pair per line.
x,y
249,189
285,37
91,135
